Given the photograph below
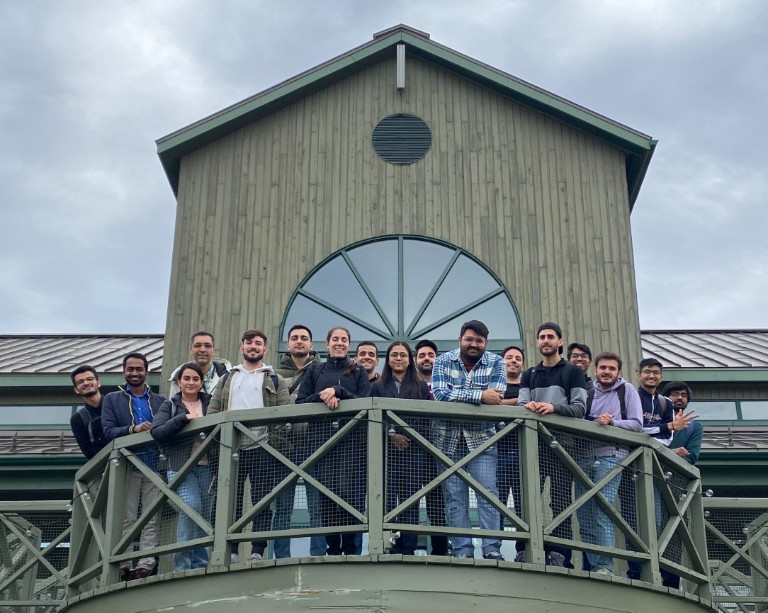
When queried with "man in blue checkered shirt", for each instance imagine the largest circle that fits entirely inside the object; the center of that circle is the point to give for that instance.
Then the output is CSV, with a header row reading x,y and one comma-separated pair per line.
x,y
473,375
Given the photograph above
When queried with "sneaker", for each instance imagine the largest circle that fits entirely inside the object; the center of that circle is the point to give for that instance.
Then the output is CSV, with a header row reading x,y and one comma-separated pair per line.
x,y
602,570
493,555
233,558
555,558
520,557
142,572
463,555
255,557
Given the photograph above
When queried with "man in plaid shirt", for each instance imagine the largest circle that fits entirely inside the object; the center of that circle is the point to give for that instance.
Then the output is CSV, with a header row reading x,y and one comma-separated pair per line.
x,y
473,375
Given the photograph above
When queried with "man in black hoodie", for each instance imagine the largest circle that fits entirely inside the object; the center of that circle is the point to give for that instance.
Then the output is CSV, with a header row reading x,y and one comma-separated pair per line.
x,y
559,387
86,423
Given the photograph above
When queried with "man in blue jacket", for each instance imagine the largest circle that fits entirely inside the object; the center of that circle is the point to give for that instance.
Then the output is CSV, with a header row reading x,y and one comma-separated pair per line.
x,y
128,410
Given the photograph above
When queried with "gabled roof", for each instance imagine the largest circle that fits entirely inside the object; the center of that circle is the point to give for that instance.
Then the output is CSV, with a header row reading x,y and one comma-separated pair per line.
x,y
637,146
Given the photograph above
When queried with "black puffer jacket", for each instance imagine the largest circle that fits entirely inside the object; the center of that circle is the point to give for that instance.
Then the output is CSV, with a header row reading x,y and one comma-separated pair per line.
x,y
168,422
331,374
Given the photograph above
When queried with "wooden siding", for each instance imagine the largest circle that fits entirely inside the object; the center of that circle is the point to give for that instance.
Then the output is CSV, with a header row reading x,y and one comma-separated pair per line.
x,y
543,205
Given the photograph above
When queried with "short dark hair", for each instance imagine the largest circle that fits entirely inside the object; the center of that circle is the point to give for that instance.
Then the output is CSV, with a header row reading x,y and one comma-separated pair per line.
x,y
608,355
81,369
425,343
363,343
477,326
249,335
202,333
650,362
504,351
677,386
138,356
300,327
581,347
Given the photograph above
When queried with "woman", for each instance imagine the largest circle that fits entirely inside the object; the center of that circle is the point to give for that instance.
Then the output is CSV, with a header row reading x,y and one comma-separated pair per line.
x,y
190,403
343,469
405,459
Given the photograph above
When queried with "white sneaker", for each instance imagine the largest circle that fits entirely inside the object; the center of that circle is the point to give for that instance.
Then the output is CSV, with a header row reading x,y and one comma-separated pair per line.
x,y
233,558
255,557
602,570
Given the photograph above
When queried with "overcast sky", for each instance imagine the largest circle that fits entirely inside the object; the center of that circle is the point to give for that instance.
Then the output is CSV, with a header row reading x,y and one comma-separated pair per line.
x,y
87,87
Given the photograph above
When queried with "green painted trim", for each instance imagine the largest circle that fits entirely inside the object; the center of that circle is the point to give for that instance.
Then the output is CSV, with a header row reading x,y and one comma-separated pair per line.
x,y
35,380
173,147
716,375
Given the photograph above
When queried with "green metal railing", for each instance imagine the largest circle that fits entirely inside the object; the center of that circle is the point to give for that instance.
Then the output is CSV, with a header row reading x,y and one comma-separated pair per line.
x,y
667,531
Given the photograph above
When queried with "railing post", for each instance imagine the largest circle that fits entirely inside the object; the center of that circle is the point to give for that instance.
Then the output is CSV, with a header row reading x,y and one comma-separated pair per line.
x,y
376,482
698,531
79,523
115,510
530,486
646,516
225,482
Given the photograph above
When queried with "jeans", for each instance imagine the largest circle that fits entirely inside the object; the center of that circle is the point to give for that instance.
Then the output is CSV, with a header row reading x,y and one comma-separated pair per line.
x,y
194,491
456,493
596,527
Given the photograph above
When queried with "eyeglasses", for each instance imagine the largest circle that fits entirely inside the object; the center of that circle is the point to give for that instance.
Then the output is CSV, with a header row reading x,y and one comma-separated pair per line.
x,y
678,394
86,380
202,346
580,356
473,340
645,371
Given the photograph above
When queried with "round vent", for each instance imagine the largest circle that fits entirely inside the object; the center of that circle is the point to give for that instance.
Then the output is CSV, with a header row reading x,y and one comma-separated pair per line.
x,y
401,139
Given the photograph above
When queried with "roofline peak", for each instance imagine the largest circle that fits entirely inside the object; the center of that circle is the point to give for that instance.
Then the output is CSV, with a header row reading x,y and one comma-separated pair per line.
x,y
401,27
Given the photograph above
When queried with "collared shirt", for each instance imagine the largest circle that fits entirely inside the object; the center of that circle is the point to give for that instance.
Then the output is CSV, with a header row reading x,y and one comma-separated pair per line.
x,y
140,404
451,382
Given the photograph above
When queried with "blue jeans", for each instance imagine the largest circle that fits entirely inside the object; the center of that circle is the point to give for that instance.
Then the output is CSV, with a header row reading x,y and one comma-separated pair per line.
x,y
595,524
456,492
193,491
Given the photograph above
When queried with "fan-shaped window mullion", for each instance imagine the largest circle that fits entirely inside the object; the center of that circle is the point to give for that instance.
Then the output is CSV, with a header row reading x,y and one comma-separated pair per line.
x,y
458,312
433,291
368,293
343,313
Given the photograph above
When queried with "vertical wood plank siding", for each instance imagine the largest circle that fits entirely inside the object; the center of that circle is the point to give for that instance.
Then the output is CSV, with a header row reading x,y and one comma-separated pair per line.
x,y
543,205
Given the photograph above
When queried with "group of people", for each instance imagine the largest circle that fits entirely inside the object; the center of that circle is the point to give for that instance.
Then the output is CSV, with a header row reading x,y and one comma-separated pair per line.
x,y
467,374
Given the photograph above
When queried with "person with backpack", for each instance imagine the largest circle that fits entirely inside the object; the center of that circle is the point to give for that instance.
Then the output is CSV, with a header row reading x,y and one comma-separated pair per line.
x,y
202,348
86,423
253,385
615,403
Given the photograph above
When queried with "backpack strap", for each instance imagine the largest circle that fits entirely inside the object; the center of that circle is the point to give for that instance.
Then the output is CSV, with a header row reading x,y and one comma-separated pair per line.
x,y
220,368
621,392
275,381
88,419
590,399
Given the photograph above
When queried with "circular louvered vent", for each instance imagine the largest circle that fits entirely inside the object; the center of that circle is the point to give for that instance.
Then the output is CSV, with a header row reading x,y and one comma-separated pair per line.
x,y
401,139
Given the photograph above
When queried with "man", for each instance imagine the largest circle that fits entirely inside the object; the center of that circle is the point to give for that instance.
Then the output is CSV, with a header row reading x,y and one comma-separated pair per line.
x,y
367,355
559,387
685,443
659,422
292,368
473,375
615,403
581,355
508,471
202,348
127,411
426,353
86,423
254,385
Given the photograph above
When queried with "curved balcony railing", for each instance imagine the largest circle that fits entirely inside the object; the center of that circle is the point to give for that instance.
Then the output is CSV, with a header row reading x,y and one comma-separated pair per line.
x,y
316,472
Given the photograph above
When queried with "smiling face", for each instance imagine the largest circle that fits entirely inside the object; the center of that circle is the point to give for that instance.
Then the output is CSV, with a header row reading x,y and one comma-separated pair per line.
x,y
135,372
189,383
425,360
472,346
514,363
338,343
607,372
367,357
548,343
253,350
581,359
202,351
399,358
87,384
650,378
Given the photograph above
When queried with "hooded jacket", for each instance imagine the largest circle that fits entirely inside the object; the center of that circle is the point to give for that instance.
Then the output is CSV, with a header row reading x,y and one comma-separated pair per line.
x,y
169,420
606,401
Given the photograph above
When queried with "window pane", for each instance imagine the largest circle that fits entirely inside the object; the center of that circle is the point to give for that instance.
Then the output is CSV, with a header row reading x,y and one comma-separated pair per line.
x,y
423,263
714,410
35,415
320,320
336,284
377,265
466,282
496,313
754,409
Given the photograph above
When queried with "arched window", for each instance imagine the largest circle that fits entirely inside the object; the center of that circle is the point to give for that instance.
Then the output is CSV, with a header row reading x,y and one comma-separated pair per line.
x,y
403,288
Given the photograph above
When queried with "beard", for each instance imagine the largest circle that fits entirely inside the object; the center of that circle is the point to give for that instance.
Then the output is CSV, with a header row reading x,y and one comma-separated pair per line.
x,y
470,359
253,358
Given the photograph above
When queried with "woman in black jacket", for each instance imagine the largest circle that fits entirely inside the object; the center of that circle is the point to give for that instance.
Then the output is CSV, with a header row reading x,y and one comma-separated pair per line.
x,y
343,469
405,458
190,403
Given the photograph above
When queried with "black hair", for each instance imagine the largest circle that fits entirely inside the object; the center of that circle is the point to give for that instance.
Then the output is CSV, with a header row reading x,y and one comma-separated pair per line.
x,y
608,355
80,370
677,386
425,343
300,327
138,356
363,343
411,385
189,366
202,333
650,362
249,335
503,352
477,326
581,347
